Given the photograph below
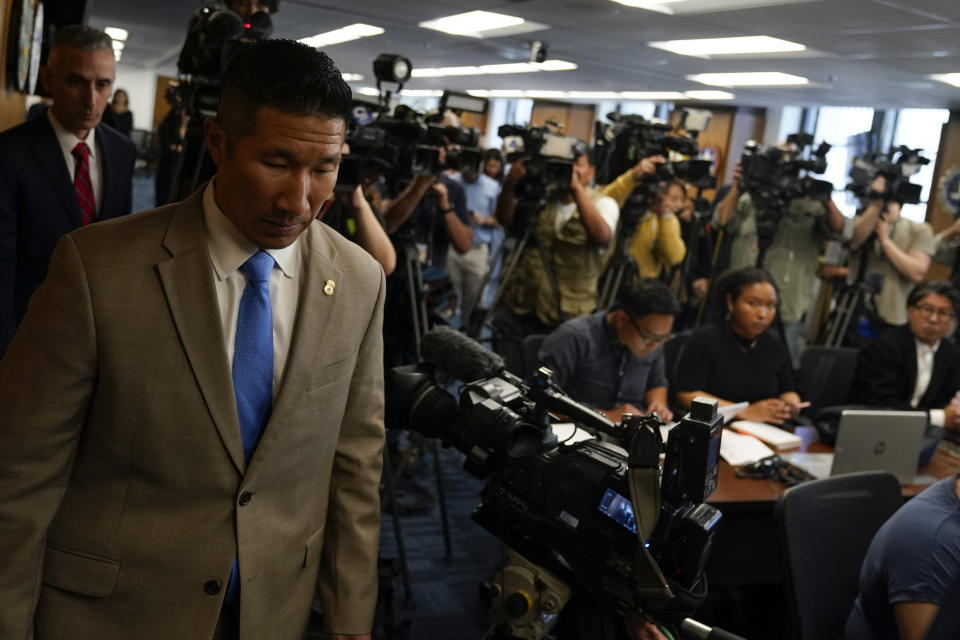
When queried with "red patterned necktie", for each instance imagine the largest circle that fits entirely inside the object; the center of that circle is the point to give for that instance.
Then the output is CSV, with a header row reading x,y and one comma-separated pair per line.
x,y
82,184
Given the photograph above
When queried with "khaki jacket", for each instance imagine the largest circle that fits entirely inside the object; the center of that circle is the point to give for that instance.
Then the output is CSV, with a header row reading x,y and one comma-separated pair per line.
x,y
121,464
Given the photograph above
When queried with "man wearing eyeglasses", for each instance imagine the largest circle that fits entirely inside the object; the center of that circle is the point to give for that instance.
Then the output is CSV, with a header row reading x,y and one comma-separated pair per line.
x,y
612,360
912,367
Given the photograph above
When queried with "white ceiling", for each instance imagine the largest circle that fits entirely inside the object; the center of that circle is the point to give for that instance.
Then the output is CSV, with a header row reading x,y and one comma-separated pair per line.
x,y
875,53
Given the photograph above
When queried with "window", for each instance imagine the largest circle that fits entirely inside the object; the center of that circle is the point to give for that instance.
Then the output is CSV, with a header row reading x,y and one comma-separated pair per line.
x,y
836,125
920,128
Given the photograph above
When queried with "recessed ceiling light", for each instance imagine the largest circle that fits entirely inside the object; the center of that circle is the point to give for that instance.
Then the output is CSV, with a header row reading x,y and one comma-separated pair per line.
x,y
368,91
472,23
410,93
116,33
344,34
118,45
706,47
652,95
761,78
491,69
709,95
352,77
650,5
949,78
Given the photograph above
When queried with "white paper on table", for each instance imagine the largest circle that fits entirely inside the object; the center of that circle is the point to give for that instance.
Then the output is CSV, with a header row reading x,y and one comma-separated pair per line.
x,y
568,433
729,411
738,449
665,429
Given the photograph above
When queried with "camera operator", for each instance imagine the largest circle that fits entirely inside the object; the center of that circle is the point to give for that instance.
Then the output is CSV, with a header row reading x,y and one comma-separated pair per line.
x,y
736,216
612,360
657,245
897,252
432,210
574,231
353,217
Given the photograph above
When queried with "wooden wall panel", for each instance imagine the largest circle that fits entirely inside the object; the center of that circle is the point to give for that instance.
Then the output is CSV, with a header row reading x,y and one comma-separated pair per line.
x,y
13,105
577,119
160,105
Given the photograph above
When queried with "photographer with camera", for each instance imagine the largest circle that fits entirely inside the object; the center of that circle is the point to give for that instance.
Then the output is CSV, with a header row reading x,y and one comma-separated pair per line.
x,y
891,252
612,360
574,232
432,211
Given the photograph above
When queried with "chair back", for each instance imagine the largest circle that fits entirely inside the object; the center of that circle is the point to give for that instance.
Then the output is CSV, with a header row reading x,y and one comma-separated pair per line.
x,y
826,374
531,346
825,527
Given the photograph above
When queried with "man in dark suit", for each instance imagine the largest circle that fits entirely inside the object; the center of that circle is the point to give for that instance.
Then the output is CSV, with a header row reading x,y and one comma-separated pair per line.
x,y
192,423
913,367
60,171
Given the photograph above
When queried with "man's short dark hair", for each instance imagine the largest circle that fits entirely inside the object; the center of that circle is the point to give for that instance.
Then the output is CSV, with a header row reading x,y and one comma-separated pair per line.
x,y
80,36
646,297
937,287
285,75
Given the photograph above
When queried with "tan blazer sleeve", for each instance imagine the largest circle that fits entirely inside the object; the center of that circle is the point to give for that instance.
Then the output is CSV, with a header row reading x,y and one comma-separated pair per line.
x,y
347,581
46,379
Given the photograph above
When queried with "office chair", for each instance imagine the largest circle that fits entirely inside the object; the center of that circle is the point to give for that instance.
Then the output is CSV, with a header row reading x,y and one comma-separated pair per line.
x,y
826,374
825,527
531,345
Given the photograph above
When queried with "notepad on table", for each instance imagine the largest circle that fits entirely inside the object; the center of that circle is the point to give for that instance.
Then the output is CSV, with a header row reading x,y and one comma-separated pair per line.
x,y
738,449
774,437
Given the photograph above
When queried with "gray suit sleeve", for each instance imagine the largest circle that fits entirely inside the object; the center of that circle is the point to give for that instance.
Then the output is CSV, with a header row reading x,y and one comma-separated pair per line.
x,y
46,380
348,572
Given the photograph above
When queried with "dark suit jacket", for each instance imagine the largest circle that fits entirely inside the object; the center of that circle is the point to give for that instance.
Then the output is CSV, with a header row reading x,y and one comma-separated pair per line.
x,y
887,372
124,494
38,206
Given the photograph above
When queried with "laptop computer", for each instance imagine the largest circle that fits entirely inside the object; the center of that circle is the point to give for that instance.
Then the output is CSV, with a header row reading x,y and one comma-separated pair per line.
x,y
872,440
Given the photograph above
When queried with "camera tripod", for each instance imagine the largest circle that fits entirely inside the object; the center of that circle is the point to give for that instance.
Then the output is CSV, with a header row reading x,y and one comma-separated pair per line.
x,y
527,212
622,265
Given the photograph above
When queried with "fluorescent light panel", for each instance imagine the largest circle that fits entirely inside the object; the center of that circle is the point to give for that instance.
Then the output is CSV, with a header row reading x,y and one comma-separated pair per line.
x,y
660,6
344,34
652,96
705,47
756,79
352,77
489,69
472,23
411,93
117,33
949,78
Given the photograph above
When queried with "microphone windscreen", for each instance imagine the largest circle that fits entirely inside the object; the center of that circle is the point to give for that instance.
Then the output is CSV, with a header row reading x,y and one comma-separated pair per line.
x,y
458,355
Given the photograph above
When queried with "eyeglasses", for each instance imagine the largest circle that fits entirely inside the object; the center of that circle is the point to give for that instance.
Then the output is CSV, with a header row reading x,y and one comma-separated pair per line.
x,y
934,312
646,336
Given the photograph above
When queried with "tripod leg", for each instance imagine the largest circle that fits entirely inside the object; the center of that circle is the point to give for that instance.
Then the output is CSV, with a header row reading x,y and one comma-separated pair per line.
x,y
397,531
512,261
442,499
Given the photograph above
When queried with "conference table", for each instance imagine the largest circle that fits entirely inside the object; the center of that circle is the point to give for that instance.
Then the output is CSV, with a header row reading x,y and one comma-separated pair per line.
x,y
746,545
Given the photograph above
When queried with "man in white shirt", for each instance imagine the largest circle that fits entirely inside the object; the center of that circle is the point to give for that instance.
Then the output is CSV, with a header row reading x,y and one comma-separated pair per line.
x,y
61,171
914,367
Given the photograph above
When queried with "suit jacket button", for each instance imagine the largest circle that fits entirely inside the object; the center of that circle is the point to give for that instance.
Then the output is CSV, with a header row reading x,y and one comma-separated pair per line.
x,y
245,498
212,587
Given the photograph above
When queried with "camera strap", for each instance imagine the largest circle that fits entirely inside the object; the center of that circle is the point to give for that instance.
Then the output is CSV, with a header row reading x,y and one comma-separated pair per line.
x,y
643,476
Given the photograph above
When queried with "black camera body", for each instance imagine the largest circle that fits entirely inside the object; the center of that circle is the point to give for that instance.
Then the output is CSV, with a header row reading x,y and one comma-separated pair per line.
x,y
632,137
550,159
897,166
773,177
568,508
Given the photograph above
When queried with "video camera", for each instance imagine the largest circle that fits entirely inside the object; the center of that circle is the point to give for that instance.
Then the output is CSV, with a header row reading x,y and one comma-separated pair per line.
x,y
407,144
587,516
630,138
897,167
773,177
550,158
213,40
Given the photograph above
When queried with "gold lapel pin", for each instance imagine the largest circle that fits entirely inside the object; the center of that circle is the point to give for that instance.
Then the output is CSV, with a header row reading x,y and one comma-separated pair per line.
x,y
329,286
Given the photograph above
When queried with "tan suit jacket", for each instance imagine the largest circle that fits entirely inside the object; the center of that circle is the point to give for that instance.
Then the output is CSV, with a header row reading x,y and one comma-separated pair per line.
x,y
121,463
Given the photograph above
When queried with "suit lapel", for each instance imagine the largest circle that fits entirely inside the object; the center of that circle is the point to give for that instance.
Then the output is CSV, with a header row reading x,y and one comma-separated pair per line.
x,y
192,299
314,310
49,156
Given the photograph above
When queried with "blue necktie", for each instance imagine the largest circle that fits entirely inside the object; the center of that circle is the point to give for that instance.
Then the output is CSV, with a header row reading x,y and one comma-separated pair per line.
x,y
253,367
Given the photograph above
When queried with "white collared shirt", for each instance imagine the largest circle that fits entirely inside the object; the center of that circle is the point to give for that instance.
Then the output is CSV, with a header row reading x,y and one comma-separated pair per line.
x,y
67,142
229,249
925,356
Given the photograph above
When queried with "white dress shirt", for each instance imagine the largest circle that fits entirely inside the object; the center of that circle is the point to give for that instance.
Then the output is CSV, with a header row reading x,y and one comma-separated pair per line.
x,y
925,355
229,249
67,142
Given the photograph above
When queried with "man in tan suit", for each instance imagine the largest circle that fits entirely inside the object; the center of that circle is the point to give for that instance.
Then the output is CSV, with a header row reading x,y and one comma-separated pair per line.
x,y
138,498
